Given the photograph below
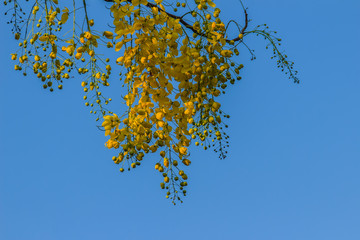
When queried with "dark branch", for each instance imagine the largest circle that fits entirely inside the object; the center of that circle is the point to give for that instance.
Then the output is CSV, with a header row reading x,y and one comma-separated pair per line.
x,y
187,25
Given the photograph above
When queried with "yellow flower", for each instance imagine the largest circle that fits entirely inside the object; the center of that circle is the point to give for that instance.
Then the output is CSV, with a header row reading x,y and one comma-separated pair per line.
x,y
166,162
186,162
108,34
183,150
159,115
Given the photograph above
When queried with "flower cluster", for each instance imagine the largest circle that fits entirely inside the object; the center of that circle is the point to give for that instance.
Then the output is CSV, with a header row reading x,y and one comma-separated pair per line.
x,y
172,67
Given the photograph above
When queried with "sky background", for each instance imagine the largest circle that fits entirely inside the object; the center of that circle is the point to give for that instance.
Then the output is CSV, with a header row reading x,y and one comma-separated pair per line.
x,y
293,165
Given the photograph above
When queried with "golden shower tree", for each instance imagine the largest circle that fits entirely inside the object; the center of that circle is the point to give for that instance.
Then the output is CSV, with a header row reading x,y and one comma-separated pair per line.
x,y
174,57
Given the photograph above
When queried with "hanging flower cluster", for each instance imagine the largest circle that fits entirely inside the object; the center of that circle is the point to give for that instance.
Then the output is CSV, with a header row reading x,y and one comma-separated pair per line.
x,y
173,68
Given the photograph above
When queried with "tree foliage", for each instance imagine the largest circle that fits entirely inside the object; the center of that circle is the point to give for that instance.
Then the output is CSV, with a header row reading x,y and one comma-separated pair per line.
x,y
175,59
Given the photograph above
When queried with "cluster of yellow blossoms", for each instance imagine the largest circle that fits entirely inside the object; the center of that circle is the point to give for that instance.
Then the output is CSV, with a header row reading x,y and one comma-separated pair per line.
x,y
53,56
173,81
173,67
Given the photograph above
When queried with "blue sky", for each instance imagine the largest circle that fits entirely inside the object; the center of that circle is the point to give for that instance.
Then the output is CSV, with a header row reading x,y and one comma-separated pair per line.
x,y
292,172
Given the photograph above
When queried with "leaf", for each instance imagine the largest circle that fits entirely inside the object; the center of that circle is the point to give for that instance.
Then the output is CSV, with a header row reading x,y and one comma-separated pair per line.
x,y
118,46
56,1
137,83
44,38
138,2
64,17
170,87
71,41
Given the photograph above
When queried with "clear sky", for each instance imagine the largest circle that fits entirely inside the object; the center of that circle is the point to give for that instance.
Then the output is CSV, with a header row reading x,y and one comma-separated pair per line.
x,y
292,172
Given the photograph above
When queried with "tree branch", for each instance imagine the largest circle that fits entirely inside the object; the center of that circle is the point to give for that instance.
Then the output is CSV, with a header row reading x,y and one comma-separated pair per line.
x,y
187,25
